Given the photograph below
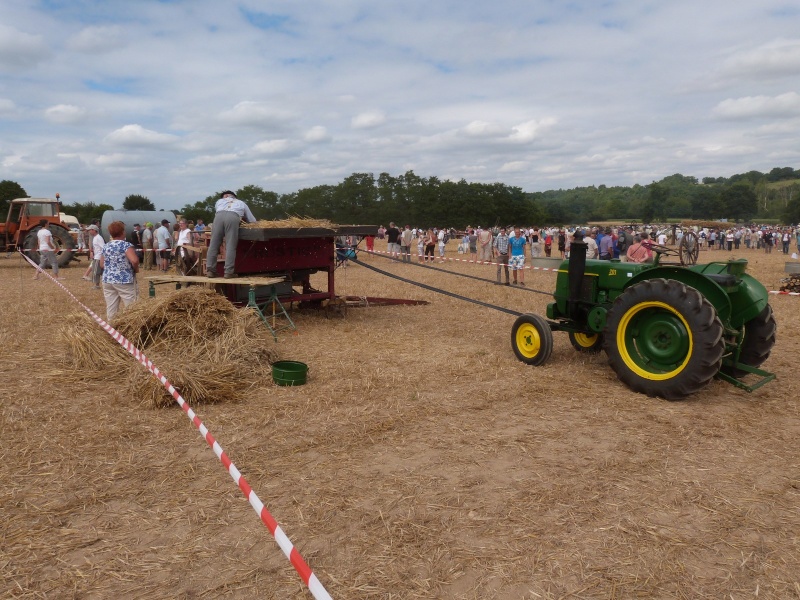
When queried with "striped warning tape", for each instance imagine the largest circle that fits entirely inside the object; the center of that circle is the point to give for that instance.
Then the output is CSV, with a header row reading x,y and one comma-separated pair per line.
x,y
314,585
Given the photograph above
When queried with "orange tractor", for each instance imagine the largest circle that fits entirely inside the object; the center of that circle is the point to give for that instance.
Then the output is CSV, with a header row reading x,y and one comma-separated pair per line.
x,y
22,224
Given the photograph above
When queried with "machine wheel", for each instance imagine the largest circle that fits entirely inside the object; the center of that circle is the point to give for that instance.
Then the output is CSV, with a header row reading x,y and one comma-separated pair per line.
x,y
532,339
31,246
689,248
583,342
759,338
63,240
664,338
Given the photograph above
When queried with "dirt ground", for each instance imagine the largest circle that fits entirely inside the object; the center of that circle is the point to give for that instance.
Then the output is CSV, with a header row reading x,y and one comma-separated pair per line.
x,y
421,460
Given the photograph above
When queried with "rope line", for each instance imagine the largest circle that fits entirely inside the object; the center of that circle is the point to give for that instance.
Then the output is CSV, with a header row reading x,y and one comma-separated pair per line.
x,y
424,266
508,311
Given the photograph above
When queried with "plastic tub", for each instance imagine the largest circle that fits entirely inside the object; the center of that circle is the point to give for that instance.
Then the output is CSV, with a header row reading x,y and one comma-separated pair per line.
x,y
289,372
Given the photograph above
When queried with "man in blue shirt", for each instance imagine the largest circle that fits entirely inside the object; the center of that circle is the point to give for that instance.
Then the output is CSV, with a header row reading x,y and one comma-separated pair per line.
x,y
517,261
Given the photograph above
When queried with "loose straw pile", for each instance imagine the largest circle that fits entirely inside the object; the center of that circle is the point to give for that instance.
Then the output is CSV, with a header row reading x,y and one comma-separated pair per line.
x,y
292,222
208,349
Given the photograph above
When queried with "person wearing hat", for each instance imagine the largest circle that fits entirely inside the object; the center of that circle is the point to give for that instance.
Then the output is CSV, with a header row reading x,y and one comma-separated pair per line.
x,y
147,246
230,211
98,243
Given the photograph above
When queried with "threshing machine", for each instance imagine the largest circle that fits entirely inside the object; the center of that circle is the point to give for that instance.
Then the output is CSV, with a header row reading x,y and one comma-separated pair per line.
x,y
293,254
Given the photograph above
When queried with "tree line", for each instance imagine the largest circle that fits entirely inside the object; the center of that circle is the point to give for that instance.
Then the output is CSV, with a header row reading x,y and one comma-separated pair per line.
x,y
362,198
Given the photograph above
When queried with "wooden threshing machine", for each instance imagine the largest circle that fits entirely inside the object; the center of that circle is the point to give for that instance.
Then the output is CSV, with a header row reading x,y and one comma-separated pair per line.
x,y
293,254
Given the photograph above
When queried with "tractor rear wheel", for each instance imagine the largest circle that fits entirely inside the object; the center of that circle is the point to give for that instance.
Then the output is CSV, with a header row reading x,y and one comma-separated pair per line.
x,y
583,342
664,338
62,240
759,338
532,339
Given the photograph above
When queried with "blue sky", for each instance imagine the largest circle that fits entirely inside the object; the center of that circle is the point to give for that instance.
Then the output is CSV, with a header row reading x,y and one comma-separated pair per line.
x,y
175,100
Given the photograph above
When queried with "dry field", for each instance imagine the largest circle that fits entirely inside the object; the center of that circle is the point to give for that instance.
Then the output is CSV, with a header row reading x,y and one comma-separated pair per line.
x,y
421,460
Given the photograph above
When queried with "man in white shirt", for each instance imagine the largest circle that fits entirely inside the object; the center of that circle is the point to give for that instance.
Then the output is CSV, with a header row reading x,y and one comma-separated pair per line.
x,y
662,238
98,243
229,213
47,250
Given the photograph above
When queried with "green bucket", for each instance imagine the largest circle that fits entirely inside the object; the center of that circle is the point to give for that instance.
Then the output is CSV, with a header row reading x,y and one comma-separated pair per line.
x,y
289,372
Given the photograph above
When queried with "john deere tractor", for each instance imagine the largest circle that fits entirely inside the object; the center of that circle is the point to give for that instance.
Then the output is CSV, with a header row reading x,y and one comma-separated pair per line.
x,y
668,329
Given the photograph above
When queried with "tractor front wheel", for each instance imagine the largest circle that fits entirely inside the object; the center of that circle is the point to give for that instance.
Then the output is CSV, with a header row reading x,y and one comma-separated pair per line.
x,y
663,338
532,339
584,342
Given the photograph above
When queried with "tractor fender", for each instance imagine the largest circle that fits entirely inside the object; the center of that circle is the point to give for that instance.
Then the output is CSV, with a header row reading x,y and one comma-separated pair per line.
x,y
715,294
750,297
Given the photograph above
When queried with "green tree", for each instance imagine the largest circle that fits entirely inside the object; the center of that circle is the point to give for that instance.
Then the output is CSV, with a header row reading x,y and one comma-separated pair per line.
x,y
739,201
9,190
137,202
263,204
86,213
654,208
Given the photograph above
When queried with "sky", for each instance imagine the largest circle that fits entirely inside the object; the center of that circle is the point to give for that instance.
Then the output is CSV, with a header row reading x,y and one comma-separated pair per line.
x,y
177,100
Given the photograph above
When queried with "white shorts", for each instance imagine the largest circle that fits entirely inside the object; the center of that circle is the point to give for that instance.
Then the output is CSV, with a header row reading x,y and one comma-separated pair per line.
x,y
516,263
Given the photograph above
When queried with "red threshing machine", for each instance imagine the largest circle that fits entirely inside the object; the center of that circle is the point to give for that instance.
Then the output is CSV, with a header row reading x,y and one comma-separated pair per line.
x,y
294,254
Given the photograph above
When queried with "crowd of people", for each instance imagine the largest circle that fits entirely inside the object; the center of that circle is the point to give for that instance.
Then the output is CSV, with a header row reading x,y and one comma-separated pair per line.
x,y
510,247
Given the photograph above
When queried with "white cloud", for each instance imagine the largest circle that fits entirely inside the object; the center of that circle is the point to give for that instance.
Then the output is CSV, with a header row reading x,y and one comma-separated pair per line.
x,y
777,58
528,131
272,146
316,134
97,39
760,107
136,135
213,160
482,129
65,114
368,120
7,107
256,114
20,50
516,166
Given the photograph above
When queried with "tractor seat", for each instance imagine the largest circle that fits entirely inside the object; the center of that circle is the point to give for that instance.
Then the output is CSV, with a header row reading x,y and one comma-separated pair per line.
x,y
723,279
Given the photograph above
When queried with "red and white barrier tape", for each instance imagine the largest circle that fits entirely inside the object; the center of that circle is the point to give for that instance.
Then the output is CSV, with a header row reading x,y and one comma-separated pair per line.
x,y
315,587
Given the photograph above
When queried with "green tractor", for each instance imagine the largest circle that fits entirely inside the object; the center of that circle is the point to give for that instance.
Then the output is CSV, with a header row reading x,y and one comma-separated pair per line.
x,y
667,328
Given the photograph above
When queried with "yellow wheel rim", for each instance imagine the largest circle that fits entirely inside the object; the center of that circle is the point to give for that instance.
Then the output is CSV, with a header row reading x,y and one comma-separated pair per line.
x,y
584,340
528,340
654,340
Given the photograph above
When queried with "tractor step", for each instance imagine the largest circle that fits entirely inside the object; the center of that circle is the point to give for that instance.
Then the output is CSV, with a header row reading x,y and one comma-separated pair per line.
x,y
765,377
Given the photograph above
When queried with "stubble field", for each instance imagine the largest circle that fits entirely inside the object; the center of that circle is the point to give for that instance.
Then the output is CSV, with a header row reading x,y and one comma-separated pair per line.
x,y
421,460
